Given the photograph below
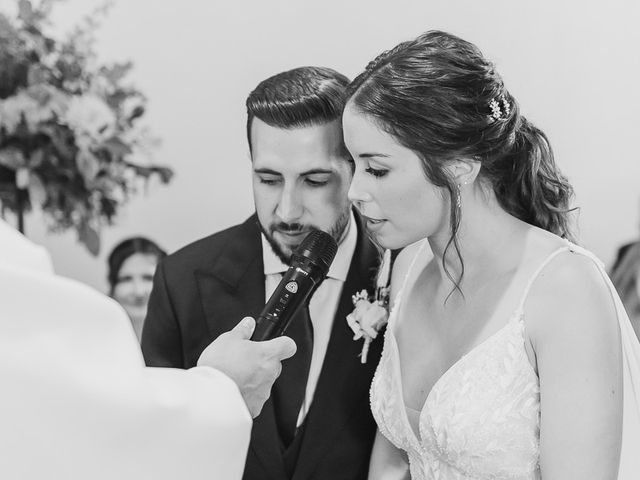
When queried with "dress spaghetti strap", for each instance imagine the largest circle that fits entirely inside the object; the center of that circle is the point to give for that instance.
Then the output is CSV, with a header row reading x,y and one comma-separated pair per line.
x,y
410,271
535,275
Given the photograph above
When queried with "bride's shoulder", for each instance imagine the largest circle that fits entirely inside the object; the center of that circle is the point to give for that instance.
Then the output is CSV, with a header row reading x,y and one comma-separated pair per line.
x,y
561,266
570,293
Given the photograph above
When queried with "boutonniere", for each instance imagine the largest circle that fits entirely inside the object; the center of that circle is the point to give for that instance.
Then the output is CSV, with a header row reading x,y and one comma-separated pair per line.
x,y
371,312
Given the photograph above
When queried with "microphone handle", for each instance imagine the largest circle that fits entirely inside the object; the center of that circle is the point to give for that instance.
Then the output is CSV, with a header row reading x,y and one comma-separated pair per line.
x,y
292,293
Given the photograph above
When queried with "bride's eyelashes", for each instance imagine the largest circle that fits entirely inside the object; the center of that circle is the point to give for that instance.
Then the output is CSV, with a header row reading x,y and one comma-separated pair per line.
x,y
376,172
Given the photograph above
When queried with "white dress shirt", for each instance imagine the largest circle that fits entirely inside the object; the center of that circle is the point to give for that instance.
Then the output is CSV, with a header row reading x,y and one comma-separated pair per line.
x,y
323,304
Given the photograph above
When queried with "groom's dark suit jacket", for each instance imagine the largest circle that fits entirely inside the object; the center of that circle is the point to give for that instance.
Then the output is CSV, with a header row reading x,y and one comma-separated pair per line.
x,y
204,289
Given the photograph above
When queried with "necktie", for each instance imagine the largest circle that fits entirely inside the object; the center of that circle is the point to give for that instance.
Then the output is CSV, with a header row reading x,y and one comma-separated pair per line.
x,y
289,389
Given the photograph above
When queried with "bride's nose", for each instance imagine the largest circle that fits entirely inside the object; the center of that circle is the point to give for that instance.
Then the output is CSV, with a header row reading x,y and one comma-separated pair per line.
x,y
357,193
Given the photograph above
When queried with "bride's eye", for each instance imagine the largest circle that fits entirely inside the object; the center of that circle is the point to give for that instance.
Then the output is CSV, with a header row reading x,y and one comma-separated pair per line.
x,y
376,172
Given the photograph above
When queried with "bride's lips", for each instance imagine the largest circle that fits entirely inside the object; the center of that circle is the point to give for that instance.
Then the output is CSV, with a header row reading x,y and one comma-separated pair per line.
x,y
373,224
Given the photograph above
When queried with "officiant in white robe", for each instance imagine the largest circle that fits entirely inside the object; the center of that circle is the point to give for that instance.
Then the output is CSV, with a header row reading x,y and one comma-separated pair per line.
x,y
76,400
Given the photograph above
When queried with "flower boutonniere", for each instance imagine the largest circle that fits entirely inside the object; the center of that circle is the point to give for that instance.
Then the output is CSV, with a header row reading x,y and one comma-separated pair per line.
x,y
371,311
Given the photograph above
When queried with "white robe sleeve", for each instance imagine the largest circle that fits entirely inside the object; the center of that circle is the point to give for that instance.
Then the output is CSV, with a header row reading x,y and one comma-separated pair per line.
x,y
77,402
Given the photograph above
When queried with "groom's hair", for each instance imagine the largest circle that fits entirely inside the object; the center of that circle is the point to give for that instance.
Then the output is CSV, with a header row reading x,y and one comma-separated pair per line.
x,y
301,97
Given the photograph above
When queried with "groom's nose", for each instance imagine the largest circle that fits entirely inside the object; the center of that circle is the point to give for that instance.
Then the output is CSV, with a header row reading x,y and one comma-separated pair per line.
x,y
290,206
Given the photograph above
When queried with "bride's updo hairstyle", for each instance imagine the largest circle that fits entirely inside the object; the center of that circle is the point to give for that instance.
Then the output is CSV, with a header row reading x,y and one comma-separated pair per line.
x,y
438,96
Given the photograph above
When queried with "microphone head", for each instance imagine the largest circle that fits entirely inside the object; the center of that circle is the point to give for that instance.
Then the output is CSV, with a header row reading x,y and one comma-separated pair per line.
x,y
318,248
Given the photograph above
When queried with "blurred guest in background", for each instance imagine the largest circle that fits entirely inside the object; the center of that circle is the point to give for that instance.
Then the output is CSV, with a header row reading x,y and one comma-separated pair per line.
x,y
624,276
132,264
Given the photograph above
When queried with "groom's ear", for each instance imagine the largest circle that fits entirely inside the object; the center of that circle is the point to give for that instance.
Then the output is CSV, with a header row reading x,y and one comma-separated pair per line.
x,y
463,171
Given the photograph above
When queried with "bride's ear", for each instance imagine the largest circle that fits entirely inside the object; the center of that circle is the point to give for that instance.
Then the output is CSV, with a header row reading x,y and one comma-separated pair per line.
x,y
464,171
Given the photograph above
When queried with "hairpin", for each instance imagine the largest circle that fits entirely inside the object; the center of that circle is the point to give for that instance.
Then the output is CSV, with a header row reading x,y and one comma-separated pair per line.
x,y
507,107
496,111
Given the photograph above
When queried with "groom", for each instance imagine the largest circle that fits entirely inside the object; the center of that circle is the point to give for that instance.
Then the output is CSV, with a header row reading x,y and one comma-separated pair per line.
x,y
317,424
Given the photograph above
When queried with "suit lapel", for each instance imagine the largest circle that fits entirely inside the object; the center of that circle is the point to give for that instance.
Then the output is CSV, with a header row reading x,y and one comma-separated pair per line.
x,y
230,288
344,382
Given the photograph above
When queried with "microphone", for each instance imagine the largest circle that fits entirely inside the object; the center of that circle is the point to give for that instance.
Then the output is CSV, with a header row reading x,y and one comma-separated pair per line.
x,y
310,264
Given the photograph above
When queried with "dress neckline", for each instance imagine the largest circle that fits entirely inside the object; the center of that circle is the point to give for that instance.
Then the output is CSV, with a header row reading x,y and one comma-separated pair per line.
x,y
516,318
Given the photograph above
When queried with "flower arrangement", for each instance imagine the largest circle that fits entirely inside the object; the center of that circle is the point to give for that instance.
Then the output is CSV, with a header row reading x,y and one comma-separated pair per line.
x,y
70,139
371,311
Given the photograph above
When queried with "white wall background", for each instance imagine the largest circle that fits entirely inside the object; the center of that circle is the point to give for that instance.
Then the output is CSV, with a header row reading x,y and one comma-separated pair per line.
x,y
573,65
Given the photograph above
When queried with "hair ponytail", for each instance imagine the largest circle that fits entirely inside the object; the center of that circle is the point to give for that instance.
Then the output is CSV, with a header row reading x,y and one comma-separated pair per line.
x,y
537,193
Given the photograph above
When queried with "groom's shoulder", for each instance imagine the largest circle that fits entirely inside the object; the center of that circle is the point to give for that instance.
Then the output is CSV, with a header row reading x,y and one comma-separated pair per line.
x,y
204,251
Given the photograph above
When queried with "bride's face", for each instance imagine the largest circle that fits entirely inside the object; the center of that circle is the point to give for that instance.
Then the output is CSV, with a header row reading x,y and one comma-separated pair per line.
x,y
389,186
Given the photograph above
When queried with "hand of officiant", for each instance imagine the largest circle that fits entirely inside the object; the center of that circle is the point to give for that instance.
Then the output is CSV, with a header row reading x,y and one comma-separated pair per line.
x,y
254,366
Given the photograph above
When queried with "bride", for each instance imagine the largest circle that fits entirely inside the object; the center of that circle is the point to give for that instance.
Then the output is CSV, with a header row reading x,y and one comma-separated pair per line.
x,y
508,354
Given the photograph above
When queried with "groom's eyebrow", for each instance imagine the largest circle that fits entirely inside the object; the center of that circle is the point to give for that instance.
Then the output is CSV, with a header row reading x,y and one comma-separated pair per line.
x,y
372,155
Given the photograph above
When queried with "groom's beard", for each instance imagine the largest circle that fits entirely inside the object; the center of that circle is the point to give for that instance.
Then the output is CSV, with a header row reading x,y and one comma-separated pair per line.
x,y
283,252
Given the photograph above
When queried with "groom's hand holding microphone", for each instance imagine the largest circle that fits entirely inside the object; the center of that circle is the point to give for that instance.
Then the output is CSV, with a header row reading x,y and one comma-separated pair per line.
x,y
251,354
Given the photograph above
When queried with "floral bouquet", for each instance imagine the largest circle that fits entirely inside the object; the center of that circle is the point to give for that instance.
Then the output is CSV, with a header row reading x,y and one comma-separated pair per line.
x,y
371,311
70,141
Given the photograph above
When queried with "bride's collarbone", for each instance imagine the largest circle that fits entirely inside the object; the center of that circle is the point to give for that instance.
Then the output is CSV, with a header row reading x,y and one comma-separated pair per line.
x,y
433,334
445,311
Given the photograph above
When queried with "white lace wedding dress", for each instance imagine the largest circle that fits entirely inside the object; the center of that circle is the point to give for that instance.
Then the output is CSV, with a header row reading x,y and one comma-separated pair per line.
x,y
481,419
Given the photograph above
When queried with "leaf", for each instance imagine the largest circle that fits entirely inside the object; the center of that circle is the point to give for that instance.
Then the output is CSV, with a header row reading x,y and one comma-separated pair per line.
x,y
22,178
40,92
37,190
165,173
36,158
136,113
25,12
89,237
88,165
116,72
45,8
12,158
116,147
62,141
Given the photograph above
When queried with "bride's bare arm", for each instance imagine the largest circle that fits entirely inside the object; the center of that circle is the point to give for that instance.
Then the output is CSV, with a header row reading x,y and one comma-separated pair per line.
x,y
571,321
387,462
